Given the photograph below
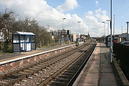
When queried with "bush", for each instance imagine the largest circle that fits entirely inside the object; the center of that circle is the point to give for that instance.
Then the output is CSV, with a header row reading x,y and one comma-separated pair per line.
x,y
7,47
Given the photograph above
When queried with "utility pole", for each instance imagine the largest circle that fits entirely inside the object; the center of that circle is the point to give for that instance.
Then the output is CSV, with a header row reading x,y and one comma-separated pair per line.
x,y
127,30
111,46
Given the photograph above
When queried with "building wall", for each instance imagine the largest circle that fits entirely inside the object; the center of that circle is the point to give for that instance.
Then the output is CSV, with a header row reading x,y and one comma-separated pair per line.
x,y
24,43
74,37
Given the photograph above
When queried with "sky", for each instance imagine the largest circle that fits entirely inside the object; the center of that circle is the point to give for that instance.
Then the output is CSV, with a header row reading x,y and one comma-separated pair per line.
x,y
81,16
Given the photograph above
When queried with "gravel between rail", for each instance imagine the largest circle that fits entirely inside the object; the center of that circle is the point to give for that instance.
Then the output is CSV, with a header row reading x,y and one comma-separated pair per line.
x,y
41,73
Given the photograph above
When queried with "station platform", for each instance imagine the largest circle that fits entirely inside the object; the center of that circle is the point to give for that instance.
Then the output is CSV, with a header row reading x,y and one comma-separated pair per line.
x,y
98,71
8,56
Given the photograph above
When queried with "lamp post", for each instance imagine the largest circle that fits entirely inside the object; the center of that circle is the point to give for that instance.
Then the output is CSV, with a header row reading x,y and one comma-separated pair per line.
x,y
79,28
63,22
104,31
121,29
127,29
79,23
111,45
104,28
113,25
108,26
62,33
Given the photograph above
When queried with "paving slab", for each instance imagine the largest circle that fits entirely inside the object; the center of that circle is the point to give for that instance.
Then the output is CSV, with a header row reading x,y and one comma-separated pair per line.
x,y
107,77
100,72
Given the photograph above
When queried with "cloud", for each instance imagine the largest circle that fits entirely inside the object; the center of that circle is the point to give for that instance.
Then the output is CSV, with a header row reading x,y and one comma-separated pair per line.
x,y
94,19
68,5
46,15
97,2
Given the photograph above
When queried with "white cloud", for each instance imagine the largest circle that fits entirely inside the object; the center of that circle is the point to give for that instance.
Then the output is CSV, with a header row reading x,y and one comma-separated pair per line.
x,y
94,19
97,2
68,5
47,15
44,13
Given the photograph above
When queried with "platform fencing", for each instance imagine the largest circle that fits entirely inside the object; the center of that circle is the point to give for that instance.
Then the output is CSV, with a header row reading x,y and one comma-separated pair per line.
x,y
121,54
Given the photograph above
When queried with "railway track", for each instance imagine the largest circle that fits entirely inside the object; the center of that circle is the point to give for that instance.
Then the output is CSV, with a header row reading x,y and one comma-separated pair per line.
x,y
43,72
68,77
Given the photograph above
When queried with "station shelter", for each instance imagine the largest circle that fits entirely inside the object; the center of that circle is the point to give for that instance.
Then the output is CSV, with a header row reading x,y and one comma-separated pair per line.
x,y
23,41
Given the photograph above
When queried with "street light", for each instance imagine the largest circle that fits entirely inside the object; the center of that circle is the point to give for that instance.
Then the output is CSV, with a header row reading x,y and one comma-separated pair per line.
x,y
104,28
62,35
127,30
121,29
63,18
78,21
111,46
113,25
63,22
108,26
104,32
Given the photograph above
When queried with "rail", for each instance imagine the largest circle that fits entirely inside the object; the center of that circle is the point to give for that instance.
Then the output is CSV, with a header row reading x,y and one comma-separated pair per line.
x,y
70,74
70,83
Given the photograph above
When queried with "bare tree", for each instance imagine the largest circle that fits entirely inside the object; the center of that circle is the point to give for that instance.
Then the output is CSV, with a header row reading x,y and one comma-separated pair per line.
x,y
8,26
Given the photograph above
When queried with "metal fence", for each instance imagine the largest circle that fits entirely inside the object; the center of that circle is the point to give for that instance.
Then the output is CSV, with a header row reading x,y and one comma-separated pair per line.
x,y
121,53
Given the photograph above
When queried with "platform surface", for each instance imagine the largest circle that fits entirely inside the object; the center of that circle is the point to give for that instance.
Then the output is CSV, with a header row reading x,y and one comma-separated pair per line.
x,y
99,72
10,56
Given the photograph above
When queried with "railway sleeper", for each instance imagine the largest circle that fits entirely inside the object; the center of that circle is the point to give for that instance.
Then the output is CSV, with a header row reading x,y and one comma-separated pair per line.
x,y
10,81
62,80
70,72
63,76
58,84
27,72
35,69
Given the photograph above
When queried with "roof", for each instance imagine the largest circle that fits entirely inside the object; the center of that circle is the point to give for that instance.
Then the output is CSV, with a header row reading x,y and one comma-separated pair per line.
x,y
25,33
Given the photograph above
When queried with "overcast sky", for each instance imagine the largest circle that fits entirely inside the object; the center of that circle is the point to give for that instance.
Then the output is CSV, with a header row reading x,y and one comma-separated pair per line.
x,y
90,13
